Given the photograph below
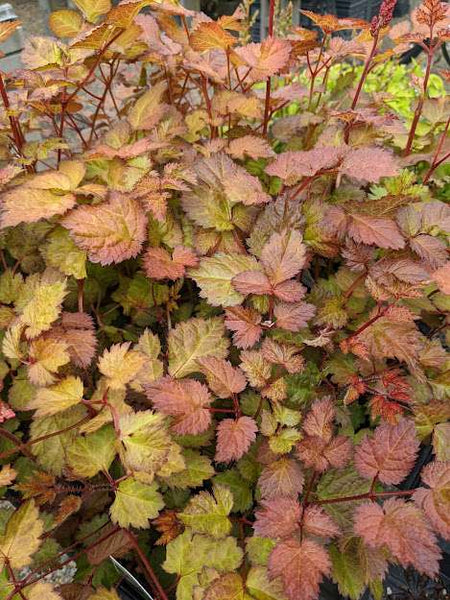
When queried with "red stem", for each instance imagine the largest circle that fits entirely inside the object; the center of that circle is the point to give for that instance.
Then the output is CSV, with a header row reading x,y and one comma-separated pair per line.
x,y
365,71
24,446
367,496
107,89
268,83
18,136
204,89
419,107
147,566
13,579
355,284
435,162
369,323
63,118
237,408
15,440
316,71
271,17
26,582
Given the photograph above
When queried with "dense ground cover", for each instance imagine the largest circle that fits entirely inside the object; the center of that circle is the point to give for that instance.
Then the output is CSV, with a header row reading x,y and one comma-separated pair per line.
x,y
223,304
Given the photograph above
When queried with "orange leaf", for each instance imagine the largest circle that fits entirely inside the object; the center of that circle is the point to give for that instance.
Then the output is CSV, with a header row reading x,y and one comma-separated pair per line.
x,y
211,36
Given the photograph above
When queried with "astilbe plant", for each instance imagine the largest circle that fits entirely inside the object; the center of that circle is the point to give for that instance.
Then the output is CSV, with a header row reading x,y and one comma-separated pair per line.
x,y
224,303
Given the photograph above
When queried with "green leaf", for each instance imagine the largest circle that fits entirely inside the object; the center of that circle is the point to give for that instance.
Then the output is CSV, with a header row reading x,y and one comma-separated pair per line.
x,y
10,286
21,391
261,587
147,445
208,513
341,482
51,452
187,564
214,276
21,538
194,339
61,253
242,494
135,504
258,550
198,469
43,307
347,570
284,440
150,347
54,399
93,452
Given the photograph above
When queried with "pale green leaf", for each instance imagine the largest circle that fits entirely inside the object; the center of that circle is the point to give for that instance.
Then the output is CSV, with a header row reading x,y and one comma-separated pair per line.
x,y
341,482
261,587
227,587
147,446
148,109
57,398
135,504
65,23
43,308
21,392
46,357
150,347
194,339
198,468
214,275
283,441
347,570
51,452
92,453
104,594
21,538
208,512
242,494
42,590
11,347
120,365
61,253
187,564
27,205
441,441
258,550
10,285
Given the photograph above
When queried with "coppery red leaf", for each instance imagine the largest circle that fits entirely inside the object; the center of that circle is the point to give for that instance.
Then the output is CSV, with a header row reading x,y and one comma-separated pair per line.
x,y
234,437
390,454
401,527
302,565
